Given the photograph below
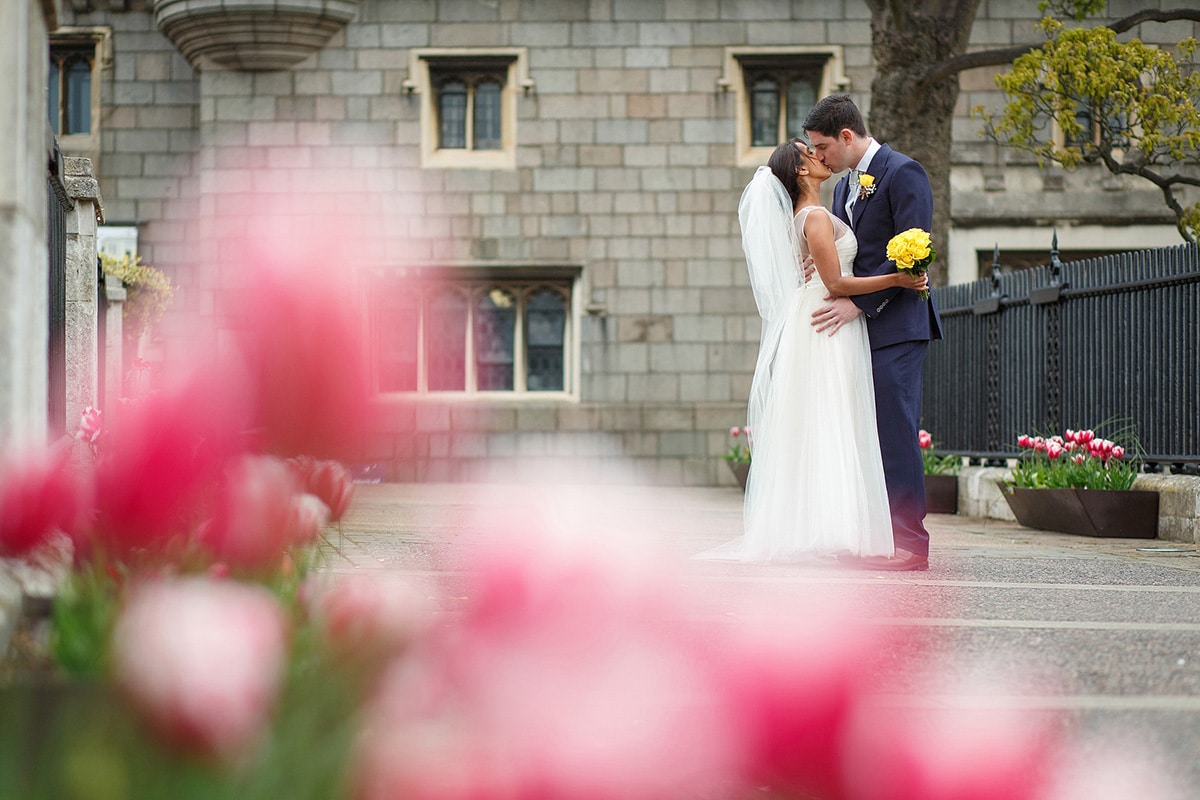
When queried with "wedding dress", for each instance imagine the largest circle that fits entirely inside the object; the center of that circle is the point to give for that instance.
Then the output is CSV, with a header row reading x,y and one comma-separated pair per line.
x,y
816,485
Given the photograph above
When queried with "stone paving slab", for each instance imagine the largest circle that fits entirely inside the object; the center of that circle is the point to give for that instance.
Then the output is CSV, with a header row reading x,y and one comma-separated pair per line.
x,y
1104,633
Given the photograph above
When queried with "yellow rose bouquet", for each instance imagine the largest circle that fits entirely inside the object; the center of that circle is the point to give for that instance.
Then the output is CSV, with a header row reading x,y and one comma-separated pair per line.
x,y
912,251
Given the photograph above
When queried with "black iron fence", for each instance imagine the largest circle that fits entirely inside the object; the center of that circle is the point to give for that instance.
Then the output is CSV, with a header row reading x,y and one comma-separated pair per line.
x,y
1070,346
58,203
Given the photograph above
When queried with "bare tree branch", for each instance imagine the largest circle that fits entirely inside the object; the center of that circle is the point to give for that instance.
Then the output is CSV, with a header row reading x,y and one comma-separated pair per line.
x,y
992,58
1155,15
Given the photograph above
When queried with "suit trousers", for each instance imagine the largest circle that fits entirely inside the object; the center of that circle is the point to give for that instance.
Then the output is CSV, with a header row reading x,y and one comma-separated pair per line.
x,y
897,370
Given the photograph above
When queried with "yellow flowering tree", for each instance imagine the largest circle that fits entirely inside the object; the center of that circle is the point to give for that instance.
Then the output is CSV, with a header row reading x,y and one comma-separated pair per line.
x,y
148,292
1132,108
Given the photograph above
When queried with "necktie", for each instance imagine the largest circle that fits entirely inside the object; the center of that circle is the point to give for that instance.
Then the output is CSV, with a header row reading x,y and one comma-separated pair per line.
x,y
851,191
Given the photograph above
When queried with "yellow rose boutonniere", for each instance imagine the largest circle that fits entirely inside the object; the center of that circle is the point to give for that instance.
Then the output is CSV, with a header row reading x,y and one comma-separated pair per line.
x,y
866,185
912,250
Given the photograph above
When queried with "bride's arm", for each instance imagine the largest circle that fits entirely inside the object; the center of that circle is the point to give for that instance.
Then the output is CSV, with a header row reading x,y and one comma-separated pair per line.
x,y
818,230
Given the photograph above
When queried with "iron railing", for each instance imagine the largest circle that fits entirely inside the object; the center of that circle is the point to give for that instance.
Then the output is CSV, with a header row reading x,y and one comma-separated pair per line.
x,y
1114,339
58,203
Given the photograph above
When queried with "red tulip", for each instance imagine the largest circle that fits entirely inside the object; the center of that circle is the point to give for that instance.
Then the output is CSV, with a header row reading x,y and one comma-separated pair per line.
x,y
39,494
1053,450
1118,451
163,457
924,439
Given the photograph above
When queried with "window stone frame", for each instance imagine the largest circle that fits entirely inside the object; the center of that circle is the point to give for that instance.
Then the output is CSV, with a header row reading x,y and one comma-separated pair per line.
x,y
425,62
99,40
733,78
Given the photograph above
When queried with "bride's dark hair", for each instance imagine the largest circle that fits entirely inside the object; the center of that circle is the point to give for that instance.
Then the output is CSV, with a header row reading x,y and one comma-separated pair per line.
x,y
784,162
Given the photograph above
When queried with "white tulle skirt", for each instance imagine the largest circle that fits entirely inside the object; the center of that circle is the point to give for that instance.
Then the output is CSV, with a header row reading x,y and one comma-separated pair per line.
x,y
816,485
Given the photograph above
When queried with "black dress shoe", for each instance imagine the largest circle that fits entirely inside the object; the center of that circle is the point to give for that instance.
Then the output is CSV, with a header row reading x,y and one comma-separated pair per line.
x,y
902,561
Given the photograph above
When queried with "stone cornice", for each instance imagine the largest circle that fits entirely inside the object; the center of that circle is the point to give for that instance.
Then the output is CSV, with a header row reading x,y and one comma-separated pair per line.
x,y
251,35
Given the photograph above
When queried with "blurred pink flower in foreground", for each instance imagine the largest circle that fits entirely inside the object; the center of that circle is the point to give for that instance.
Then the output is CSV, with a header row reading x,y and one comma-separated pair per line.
x,y
950,753
328,480
367,618
202,661
301,341
39,494
162,458
561,680
252,523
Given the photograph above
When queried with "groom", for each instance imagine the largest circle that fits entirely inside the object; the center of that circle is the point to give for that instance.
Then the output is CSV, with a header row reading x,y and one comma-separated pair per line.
x,y
895,197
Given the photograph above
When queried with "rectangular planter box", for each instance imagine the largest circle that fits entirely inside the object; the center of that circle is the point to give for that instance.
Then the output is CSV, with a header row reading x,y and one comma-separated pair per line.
x,y
941,494
1131,514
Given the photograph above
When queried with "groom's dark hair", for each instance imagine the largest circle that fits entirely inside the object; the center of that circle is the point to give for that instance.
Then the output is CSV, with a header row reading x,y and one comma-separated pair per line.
x,y
833,113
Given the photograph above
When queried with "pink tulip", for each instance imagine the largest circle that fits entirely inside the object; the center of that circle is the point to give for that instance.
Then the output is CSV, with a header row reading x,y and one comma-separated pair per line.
x,y
924,439
790,703
1024,441
735,431
91,426
1053,450
306,378
1118,451
370,617
201,661
39,494
252,522
1070,434
1039,444
559,679
949,754
1079,458
308,517
332,482
1085,436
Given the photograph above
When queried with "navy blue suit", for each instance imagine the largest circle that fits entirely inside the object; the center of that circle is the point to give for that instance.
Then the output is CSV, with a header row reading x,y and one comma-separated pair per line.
x,y
899,326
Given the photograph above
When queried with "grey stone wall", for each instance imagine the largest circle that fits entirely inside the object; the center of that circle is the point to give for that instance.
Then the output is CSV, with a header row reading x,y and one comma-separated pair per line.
x,y
82,312
24,148
625,167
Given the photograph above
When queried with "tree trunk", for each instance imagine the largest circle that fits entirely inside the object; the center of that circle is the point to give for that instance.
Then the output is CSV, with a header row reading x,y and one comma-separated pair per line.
x,y
912,116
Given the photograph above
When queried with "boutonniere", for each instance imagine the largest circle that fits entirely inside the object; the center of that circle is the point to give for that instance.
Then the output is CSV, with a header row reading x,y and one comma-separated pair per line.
x,y
866,185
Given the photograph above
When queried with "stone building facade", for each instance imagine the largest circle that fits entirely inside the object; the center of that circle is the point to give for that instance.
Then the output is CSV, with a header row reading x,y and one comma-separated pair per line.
x,y
562,175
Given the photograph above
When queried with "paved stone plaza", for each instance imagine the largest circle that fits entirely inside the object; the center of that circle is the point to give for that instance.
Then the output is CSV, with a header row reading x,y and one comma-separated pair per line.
x,y
1111,626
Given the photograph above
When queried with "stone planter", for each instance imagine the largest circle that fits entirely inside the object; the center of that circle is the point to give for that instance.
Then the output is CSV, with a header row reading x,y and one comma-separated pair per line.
x,y
941,494
741,471
1131,514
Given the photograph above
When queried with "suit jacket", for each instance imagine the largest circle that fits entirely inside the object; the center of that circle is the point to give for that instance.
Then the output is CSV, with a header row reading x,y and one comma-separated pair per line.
x,y
902,199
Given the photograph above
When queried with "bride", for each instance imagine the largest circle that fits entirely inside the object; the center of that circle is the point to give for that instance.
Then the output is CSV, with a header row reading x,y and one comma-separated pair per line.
x,y
816,483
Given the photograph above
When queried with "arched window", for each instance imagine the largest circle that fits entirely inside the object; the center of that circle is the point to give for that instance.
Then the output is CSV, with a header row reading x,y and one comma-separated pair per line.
x,y
69,89
764,113
545,336
779,102
470,108
452,114
495,330
435,332
487,116
446,341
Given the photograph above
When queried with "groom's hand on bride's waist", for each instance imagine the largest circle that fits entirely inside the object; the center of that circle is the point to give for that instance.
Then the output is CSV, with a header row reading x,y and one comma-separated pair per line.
x,y
834,314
